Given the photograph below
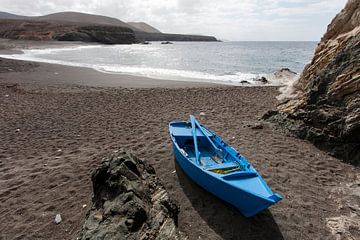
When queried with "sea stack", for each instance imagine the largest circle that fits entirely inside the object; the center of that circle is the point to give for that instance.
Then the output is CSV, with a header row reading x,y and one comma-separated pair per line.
x,y
326,110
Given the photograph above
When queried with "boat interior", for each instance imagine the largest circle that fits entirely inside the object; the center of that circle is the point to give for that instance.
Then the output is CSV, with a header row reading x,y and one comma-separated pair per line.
x,y
212,152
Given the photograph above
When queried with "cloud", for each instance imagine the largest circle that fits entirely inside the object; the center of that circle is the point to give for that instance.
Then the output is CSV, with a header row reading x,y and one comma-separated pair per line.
x,y
226,19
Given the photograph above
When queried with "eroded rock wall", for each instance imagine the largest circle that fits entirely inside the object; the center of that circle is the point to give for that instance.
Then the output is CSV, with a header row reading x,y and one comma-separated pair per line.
x,y
65,31
327,108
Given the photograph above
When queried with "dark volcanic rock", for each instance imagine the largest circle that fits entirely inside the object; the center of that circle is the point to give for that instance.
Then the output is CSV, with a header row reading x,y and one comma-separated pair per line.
x,y
41,29
327,110
262,80
65,31
129,202
98,33
146,36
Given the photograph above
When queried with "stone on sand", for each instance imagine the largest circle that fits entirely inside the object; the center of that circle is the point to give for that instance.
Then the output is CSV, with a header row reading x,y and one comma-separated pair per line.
x,y
129,202
356,191
58,219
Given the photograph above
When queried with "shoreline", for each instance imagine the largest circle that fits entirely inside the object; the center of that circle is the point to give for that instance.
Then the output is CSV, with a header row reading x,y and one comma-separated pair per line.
x,y
50,73
56,74
282,77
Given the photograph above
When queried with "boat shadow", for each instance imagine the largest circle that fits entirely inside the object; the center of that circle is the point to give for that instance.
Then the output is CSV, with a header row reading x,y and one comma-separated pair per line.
x,y
225,219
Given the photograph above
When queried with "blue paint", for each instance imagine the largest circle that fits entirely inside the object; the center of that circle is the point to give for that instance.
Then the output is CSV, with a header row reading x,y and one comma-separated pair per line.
x,y
219,168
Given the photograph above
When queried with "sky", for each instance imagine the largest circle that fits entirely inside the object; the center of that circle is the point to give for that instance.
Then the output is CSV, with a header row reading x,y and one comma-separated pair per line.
x,y
233,20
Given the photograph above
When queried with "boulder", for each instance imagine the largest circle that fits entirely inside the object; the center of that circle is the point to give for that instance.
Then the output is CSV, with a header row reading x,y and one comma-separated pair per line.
x,y
263,80
129,202
326,110
284,73
244,82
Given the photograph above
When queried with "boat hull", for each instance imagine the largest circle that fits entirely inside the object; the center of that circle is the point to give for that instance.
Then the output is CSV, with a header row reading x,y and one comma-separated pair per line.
x,y
248,204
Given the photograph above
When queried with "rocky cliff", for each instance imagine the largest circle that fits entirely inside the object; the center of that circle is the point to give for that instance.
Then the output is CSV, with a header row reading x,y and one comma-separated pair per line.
x,y
98,33
77,26
65,31
129,202
146,36
143,27
326,110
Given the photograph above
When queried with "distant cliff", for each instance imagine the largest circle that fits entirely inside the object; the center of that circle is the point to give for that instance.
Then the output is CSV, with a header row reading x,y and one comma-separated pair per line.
x,y
327,108
146,36
75,26
143,27
43,30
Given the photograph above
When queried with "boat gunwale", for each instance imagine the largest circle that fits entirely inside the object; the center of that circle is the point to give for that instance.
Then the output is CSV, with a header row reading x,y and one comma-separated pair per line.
x,y
219,176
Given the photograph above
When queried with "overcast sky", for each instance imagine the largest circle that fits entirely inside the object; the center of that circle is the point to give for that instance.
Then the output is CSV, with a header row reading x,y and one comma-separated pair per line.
x,y
226,19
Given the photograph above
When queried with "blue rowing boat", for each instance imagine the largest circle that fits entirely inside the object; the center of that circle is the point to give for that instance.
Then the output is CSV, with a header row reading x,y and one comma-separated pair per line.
x,y
219,168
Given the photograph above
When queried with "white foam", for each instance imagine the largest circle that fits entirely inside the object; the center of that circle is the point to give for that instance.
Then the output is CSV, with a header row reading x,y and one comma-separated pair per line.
x,y
286,80
238,78
175,74
158,73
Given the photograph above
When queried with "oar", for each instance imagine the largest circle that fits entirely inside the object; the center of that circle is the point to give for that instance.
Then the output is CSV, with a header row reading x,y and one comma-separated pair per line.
x,y
217,150
193,126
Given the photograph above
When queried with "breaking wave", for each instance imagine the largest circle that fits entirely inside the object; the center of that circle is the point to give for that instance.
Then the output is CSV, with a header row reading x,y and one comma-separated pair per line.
x,y
179,61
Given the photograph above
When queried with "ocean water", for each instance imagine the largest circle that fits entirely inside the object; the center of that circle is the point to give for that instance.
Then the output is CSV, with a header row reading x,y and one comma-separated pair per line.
x,y
235,63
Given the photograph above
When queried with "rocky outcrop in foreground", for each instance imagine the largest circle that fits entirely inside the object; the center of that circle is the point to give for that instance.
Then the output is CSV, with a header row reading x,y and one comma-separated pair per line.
x,y
326,110
129,202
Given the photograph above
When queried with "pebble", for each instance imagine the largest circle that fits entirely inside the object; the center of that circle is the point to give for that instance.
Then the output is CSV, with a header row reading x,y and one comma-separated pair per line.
x,y
356,192
84,206
58,219
6,95
202,114
17,130
98,215
354,208
257,126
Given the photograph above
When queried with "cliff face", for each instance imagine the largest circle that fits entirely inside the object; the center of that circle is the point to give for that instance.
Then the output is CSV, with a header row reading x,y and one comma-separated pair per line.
x,y
97,33
76,26
84,32
64,31
143,27
146,36
327,109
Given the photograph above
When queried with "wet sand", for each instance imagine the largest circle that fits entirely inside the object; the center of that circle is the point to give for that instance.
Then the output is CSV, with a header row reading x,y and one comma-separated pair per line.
x,y
55,128
53,74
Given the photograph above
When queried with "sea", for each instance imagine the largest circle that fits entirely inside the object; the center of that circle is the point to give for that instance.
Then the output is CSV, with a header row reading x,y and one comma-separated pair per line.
x,y
233,63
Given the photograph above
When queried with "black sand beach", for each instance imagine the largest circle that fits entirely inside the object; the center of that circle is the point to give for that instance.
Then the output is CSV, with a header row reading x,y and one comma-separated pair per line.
x,y
58,122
